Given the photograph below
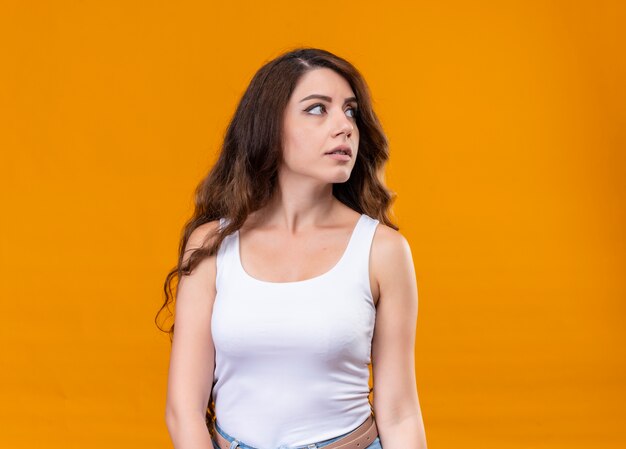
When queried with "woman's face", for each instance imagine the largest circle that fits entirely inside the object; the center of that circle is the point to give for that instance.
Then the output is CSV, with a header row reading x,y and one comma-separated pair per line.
x,y
320,116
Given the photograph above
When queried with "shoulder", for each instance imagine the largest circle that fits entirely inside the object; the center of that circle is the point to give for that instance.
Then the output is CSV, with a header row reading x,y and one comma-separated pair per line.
x,y
390,243
201,236
391,257
203,232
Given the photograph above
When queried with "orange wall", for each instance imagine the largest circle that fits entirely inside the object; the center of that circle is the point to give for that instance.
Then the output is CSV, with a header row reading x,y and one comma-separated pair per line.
x,y
506,122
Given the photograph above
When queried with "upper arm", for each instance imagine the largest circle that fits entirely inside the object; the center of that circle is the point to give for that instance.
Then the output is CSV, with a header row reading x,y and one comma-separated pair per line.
x,y
393,344
192,358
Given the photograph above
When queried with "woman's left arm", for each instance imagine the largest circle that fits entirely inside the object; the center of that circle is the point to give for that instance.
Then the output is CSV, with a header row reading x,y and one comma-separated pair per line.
x,y
396,404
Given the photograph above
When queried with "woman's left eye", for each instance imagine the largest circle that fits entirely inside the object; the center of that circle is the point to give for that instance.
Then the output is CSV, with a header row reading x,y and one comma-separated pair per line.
x,y
353,111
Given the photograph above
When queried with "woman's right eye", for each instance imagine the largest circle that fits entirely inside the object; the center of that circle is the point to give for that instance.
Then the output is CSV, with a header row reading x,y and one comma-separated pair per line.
x,y
315,106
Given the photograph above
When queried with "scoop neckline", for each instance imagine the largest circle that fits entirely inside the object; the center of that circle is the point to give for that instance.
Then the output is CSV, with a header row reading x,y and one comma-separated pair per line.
x,y
302,281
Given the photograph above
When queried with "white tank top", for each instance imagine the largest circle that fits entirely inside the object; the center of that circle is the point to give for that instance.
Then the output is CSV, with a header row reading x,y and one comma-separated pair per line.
x,y
291,358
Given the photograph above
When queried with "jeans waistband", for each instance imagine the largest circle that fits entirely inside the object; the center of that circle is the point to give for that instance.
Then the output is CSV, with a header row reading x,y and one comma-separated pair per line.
x,y
242,445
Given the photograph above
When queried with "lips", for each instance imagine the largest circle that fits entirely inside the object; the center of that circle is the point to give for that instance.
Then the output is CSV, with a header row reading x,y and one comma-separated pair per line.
x,y
345,148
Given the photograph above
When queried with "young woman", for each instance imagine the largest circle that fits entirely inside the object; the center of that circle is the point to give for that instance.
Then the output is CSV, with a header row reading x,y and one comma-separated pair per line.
x,y
292,279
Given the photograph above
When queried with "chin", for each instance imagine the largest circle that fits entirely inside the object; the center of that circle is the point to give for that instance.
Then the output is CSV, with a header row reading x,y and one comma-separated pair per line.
x,y
341,178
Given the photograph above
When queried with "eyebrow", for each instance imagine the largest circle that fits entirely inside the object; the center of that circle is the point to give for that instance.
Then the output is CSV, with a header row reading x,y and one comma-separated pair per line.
x,y
326,98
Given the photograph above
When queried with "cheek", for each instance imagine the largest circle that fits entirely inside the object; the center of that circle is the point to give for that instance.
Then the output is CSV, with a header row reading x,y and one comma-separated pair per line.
x,y
299,145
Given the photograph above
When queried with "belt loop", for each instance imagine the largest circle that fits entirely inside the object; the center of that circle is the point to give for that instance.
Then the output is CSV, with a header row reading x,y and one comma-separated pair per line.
x,y
234,444
312,446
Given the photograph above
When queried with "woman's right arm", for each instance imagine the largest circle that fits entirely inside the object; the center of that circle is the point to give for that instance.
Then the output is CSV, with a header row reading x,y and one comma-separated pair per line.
x,y
192,358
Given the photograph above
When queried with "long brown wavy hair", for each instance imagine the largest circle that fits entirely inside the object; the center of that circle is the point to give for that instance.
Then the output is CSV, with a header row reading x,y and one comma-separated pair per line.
x,y
245,175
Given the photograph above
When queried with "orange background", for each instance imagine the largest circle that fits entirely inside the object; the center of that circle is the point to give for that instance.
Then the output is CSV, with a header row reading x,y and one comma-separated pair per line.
x,y
507,129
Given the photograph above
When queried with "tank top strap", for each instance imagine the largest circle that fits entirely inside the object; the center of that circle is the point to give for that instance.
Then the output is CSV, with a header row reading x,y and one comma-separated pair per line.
x,y
357,258
224,259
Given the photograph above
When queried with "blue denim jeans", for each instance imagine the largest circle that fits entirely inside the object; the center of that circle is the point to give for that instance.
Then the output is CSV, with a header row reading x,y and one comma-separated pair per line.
x,y
374,445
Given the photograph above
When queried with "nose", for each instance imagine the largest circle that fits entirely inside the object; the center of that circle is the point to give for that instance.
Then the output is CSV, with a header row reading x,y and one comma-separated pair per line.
x,y
344,125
